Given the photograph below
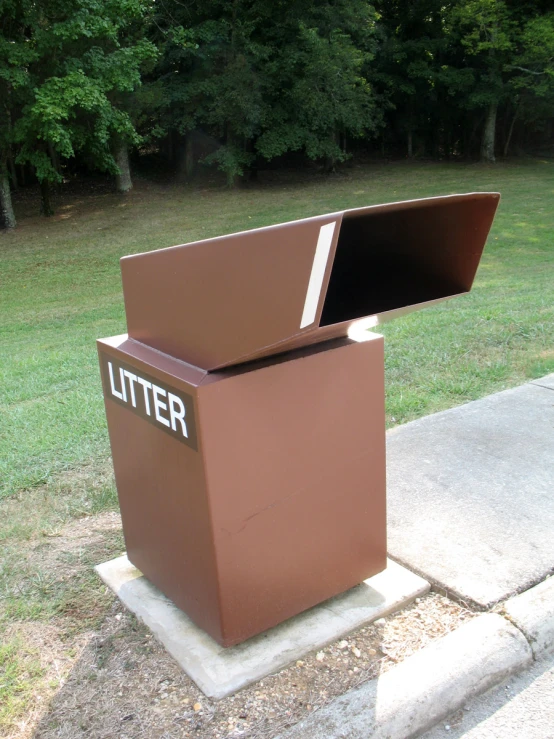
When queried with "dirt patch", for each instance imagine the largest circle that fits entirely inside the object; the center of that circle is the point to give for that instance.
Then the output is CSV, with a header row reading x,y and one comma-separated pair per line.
x,y
45,659
51,602
125,684
71,494
118,681
71,544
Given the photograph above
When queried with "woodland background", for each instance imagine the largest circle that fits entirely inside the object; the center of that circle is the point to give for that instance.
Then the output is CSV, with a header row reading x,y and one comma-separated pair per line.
x,y
240,85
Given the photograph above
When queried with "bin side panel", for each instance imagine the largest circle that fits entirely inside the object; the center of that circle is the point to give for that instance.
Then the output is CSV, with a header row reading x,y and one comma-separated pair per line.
x,y
296,482
162,493
216,302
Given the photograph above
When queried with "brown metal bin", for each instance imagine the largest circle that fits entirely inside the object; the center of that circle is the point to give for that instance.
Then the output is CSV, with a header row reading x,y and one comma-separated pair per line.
x,y
247,430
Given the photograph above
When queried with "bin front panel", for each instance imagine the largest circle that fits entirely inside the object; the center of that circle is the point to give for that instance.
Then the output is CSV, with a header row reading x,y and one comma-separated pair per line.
x,y
296,481
280,501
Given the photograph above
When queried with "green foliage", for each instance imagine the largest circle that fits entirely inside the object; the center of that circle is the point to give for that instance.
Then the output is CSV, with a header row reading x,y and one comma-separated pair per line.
x,y
266,79
231,160
79,79
409,69
64,65
323,95
448,68
533,65
485,26
486,31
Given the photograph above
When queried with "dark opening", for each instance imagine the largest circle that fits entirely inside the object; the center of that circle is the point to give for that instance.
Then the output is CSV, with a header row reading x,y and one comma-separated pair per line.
x,y
383,262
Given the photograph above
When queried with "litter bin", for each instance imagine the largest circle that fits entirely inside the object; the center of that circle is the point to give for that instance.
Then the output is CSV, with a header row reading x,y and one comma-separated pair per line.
x,y
247,429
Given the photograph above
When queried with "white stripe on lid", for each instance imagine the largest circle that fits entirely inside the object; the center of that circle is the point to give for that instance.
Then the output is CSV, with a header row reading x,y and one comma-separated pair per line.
x,y
318,272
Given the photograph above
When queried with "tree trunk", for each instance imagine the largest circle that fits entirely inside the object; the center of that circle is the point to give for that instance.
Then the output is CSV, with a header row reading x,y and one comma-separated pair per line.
x,y
189,156
410,145
330,160
186,163
123,180
489,133
54,158
168,146
13,171
510,131
45,206
7,216
250,172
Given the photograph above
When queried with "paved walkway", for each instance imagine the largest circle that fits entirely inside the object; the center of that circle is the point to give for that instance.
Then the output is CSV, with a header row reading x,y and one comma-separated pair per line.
x,y
471,508
471,494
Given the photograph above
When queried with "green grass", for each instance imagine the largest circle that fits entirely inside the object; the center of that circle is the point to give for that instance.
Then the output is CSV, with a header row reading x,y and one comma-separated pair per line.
x,y
50,594
60,289
34,581
20,671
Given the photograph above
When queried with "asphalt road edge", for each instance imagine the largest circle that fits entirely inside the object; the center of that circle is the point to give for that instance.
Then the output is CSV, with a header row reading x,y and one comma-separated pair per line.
x,y
427,687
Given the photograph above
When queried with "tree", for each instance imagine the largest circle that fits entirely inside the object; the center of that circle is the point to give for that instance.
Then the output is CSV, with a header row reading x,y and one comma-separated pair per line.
x,y
15,57
73,59
532,69
266,78
209,77
408,71
486,30
320,94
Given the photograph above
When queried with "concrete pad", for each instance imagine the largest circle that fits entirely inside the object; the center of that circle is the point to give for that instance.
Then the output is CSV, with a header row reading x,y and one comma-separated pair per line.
x,y
220,672
470,494
533,613
426,687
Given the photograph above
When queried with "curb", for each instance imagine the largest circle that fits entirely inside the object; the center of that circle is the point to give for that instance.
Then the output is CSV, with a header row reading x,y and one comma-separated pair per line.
x,y
533,614
427,687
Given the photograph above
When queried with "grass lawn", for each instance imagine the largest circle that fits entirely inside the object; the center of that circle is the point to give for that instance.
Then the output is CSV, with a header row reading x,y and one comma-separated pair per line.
x,y
60,290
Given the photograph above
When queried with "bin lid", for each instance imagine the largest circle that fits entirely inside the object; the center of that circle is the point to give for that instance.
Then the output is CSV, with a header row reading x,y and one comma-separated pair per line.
x,y
232,299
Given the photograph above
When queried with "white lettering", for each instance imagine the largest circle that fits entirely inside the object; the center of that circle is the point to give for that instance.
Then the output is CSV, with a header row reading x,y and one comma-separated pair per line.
x,y
177,413
132,379
161,405
158,404
123,388
112,384
146,385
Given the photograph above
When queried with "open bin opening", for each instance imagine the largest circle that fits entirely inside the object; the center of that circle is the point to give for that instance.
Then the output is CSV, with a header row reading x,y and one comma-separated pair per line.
x,y
386,261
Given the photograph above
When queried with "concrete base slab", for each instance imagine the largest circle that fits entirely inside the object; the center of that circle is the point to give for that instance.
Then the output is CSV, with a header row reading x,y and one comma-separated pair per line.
x,y
220,672
470,499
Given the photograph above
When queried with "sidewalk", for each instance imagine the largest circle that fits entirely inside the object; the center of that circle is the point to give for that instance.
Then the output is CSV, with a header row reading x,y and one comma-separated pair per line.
x,y
471,509
470,494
